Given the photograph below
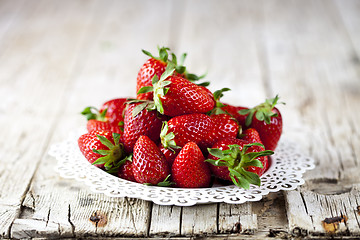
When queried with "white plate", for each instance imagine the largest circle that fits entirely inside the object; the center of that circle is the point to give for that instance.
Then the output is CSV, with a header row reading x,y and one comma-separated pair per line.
x,y
285,173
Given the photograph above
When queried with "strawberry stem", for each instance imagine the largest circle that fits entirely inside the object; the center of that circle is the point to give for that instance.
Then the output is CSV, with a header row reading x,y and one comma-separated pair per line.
x,y
237,160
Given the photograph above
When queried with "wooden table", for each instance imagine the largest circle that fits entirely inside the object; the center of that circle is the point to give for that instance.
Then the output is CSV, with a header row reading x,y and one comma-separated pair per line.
x,y
56,57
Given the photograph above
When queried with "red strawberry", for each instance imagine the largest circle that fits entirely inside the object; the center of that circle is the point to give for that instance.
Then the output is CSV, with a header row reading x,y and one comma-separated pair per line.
x,y
111,111
101,148
188,128
236,160
251,136
93,125
169,153
149,164
114,110
267,120
139,121
189,169
222,126
155,66
125,170
147,71
234,111
183,97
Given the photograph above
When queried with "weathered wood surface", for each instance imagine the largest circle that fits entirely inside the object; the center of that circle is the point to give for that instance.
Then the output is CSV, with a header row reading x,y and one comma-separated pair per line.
x,y
56,55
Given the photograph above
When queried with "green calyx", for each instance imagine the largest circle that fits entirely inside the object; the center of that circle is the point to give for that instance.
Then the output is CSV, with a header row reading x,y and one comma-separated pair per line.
x,y
178,65
262,112
165,183
114,156
159,88
218,105
238,160
93,113
167,139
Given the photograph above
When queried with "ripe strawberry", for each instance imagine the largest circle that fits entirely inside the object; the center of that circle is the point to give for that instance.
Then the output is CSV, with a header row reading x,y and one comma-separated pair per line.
x,y
114,110
188,128
149,164
234,111
139,121
267,120
236,160
111,111
189,169
169,153
125,170
251,136
222,126
93,125
101,148
174,95
155,66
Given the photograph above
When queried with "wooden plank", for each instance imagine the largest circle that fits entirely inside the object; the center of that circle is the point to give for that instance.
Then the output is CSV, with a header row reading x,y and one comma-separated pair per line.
x,y
165,221
320,72
106,58
24,45
199,220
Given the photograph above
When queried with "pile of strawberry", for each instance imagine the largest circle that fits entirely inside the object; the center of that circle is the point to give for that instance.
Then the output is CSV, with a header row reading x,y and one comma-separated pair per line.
x,y
178,133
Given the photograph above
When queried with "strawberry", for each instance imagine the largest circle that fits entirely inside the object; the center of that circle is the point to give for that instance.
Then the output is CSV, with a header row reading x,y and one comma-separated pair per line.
x,y
174,95
251,136
138,120
155,66
101,148
188,128
236,160
169,153
111,111
94,124
125,170
234,111
149,164
222,126
267,120
189,169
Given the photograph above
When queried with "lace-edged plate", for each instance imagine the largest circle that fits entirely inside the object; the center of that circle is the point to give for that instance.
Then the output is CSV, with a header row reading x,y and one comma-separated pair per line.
x,y
285,173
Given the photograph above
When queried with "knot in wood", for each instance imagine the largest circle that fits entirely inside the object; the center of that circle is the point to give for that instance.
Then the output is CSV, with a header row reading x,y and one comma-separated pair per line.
x,y
99,219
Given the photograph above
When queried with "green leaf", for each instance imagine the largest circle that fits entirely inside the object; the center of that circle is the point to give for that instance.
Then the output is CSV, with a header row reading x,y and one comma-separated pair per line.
x,y
218,162
145,89
240,182
166,182
105,141
249,118
148,54
138,108
164,83
216,152
173,59
155,79
180,69
164,54
102,160
101,152
90,113
170,68
253,163
116,138
219,93
244,111
182,58
204,84
251,177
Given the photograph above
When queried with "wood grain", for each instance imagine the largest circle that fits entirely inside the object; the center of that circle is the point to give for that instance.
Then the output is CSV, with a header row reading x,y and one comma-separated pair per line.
x,y
58,57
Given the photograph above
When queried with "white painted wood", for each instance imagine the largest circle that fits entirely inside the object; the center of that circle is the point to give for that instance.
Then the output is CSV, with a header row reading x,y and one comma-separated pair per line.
x,y
55,56
165,221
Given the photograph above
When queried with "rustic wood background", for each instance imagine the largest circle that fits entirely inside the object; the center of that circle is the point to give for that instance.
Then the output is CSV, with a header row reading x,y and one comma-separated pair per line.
x,y
56,57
